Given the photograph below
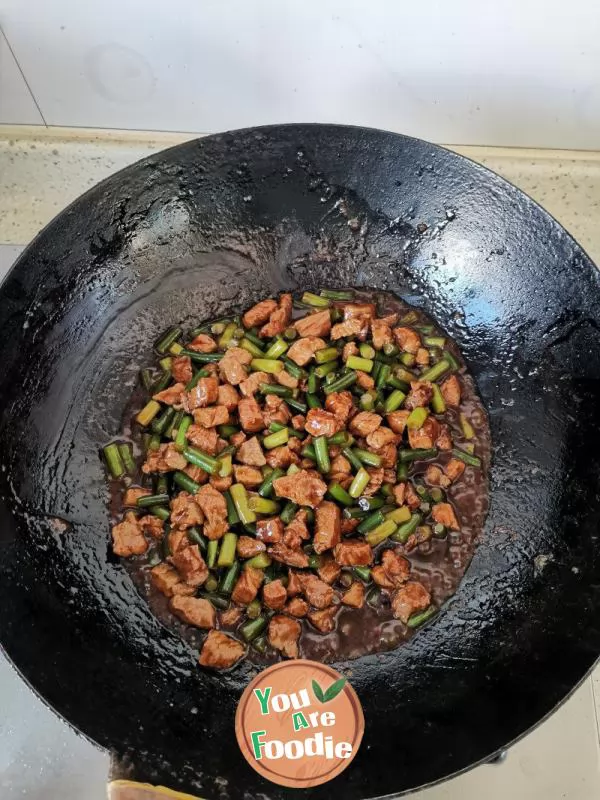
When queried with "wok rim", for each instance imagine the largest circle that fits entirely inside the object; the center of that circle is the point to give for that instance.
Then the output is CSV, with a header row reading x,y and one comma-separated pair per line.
x,y
323,127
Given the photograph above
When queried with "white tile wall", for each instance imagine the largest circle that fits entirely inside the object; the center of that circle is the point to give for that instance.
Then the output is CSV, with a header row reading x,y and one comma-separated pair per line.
x,y
16,102
500,72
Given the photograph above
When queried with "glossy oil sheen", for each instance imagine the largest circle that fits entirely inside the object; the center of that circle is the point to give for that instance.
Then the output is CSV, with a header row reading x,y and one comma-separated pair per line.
x,y
214,225
439,564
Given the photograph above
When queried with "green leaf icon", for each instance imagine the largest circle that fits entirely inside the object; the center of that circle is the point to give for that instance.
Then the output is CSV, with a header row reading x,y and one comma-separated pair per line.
x,y
318,692
334,690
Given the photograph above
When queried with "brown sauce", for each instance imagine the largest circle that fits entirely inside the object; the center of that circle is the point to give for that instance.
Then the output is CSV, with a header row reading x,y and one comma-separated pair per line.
x,y
438,564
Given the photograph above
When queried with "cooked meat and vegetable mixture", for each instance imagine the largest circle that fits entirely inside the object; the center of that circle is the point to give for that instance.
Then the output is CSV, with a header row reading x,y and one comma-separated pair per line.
x,y
306,480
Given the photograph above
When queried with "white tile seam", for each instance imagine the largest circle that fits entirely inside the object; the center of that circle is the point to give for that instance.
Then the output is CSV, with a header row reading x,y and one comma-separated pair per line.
x,y
26,82
142,132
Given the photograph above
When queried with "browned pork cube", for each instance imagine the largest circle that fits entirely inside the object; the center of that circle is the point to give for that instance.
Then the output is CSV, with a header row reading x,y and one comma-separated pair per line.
x,y
220,651
354,553
259,314
355,596
214,507
324,619
283,634
328,526
318,593
190,565
409,599
128,539
251,418
269,530
304,488
318,324
194,610
274,595
302,351
247,586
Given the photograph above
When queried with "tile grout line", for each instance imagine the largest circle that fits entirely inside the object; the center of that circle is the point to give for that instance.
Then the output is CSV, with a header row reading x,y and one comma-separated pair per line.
x,y
13,54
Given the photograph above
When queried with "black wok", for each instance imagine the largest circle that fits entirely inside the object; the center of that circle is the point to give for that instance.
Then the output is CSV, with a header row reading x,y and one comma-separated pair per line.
x,y
211,226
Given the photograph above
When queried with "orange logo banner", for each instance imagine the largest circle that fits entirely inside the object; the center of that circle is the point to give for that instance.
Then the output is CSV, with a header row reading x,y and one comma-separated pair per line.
x,y
299,723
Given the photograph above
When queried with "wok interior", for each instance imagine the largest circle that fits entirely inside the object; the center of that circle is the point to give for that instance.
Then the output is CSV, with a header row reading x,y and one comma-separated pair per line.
x,y
208,228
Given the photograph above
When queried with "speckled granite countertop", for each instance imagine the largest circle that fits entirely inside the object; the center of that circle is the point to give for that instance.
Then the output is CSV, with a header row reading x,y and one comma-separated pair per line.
x,y
42,171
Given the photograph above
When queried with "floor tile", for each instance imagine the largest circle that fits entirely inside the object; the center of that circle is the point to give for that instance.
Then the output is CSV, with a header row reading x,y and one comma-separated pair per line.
x,y
8,255
41,757
596,689
560,760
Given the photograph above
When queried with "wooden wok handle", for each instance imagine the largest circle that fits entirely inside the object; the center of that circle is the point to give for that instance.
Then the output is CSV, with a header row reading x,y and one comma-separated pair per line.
x,y
131,790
